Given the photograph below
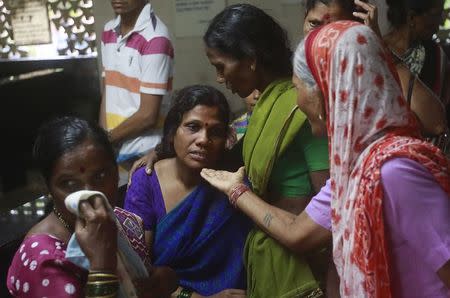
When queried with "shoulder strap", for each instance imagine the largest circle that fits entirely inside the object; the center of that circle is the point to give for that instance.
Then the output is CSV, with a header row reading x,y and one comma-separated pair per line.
x,y
412,79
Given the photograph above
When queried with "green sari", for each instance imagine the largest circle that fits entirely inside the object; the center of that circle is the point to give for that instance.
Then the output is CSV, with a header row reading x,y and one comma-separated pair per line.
x,y
272,270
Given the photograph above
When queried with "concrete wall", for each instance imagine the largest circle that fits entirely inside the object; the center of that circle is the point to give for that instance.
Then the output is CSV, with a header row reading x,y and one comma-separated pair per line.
x,y
191,64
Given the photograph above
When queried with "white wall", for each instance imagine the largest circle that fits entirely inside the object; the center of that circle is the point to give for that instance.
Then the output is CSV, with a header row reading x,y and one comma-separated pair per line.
x,y
191,64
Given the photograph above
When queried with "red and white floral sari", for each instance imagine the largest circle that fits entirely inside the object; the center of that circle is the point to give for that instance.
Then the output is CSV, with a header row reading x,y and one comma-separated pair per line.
x,y
368,123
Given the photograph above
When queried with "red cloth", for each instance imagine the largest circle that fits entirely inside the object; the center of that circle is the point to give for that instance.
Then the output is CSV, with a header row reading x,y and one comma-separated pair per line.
x,y
368,123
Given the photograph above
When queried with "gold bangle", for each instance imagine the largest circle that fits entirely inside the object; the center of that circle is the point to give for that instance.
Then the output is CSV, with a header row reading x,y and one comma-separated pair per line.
x,y
103,282
102,271
101,276
101,289
98,279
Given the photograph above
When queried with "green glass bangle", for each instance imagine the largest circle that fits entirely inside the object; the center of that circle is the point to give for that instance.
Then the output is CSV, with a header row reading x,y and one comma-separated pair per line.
x,y
95,289
185,293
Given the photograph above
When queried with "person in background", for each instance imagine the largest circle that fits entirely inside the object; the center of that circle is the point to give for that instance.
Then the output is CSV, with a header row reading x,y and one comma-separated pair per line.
x,y
285,164
387,203
73,155
322,12
137,57
426,97
425,66
240,124
201,239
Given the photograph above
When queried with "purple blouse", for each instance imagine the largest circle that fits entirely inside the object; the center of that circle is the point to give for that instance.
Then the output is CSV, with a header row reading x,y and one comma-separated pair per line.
x,y
417,213
144,198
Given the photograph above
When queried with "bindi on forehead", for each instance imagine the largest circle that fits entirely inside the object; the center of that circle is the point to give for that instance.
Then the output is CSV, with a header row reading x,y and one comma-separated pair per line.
x,y
207,124
82,170
326,18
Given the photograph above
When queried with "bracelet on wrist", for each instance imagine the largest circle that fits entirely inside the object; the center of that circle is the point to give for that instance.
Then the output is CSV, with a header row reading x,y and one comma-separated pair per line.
x,y
236,193
101,288
98,276
101,284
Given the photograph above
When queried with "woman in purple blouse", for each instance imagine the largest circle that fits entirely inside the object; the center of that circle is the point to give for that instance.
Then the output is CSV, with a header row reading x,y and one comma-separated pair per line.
x,y
201,238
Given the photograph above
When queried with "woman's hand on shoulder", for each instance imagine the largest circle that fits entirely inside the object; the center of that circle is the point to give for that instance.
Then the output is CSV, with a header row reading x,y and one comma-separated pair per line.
x,y
147,160
368,13
223,180
96,233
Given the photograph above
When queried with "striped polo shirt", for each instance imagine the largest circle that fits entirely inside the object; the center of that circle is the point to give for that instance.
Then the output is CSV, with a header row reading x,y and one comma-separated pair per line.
x,y
139,62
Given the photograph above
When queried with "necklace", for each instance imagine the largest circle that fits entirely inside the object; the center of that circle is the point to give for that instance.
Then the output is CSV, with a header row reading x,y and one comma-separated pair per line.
x,y
413,58
62,220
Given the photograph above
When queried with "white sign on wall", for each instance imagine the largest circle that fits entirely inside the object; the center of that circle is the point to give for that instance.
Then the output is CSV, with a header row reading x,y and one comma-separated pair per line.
x,y
193,16
30,23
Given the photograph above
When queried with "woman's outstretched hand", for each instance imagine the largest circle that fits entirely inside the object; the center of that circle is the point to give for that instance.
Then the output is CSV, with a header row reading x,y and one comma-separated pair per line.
x,y
223,180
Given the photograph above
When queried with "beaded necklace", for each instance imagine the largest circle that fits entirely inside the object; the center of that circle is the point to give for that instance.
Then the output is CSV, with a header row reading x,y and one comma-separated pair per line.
x,y
62,220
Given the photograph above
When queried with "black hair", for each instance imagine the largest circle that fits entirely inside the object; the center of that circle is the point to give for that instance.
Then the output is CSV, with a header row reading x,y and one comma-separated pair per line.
x,y
245,31
62,135
183,101
398,10
347,5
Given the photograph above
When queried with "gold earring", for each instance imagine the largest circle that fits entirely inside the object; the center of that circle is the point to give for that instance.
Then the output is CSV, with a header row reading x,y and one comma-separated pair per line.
x,y
320,117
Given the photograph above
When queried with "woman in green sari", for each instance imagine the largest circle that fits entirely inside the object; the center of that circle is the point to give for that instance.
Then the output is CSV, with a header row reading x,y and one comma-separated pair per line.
x,y
285,163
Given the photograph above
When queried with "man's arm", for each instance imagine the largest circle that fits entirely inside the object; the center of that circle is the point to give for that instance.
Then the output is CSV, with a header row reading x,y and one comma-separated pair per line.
x,y
102,112
145,118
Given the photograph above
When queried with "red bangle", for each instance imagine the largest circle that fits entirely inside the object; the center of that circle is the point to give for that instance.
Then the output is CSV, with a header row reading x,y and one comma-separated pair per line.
x,y
236,193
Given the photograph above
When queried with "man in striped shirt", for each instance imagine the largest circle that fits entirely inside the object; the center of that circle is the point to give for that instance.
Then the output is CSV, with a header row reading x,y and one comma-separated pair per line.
x,y
137,57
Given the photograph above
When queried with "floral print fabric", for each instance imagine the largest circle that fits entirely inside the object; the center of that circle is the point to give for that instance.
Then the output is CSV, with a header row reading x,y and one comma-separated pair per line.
x,y
368,123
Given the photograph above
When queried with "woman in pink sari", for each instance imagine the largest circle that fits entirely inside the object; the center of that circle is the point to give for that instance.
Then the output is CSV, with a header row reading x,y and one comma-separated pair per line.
x,y
387,203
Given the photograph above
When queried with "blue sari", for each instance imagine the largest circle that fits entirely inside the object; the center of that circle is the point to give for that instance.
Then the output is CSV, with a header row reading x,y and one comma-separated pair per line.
x,y
203,239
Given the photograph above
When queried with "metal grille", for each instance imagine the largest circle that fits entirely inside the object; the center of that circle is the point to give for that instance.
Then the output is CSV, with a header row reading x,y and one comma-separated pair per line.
x,y
71,22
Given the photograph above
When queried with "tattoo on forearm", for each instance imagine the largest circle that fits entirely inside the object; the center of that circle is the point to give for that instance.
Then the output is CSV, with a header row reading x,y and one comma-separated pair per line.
x,y
267,219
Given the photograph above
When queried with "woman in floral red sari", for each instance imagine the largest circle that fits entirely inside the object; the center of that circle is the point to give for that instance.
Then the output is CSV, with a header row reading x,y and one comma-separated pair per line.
x,y
368,125
389,189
